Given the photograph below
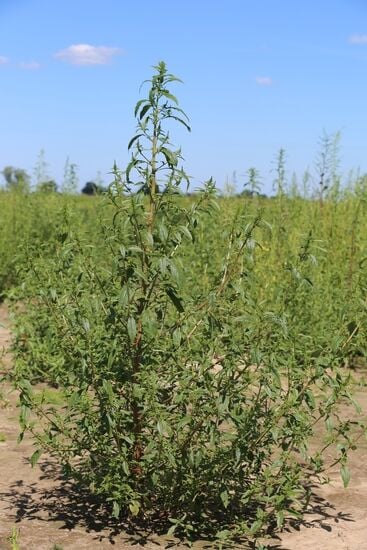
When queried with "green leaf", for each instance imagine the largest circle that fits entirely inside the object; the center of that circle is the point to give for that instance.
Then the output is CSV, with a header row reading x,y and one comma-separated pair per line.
x,y
170,156
310,399
184,422
149,238
172,529
162,232
356,405
161,427
24,414
132,164
170,96
185,231
345,475
53,294
107,386
134,507
176,337
132,141
255,527
35,457
163,263
280,518
125,467
111,359
131,328
144,110
135,248
127,439
116,510
224,498
178,119
174,271
138,105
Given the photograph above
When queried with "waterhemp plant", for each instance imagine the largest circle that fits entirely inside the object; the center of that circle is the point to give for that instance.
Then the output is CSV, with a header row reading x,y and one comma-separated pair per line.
x,y
186,404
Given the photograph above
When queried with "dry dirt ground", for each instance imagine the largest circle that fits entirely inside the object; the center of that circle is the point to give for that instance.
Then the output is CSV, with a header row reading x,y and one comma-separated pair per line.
x,y
47,514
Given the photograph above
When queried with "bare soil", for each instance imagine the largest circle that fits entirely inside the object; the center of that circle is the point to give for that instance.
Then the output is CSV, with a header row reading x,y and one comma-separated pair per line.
x,y
47,511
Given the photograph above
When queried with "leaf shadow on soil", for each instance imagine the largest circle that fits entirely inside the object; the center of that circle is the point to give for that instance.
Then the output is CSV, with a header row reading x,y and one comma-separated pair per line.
x,y
63,502
319,513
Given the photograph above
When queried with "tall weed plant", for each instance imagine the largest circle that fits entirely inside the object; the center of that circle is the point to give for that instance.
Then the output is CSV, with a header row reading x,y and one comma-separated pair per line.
x,y
190,347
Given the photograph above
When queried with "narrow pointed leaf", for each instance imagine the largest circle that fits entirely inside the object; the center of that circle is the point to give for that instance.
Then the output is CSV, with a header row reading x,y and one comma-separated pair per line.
x,y
131,328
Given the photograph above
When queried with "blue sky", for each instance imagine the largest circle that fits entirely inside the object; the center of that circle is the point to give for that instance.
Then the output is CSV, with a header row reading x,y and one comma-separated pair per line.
x,y
258,76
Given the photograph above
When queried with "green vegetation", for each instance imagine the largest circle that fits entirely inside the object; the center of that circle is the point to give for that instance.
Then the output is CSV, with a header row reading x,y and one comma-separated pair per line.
x,y
193,344
14,539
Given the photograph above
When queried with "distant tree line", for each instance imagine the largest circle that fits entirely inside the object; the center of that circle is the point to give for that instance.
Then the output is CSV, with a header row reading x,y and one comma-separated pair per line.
x,y
18,180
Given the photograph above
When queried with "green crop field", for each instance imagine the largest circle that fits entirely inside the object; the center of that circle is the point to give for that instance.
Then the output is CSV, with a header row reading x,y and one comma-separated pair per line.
x,y
192,344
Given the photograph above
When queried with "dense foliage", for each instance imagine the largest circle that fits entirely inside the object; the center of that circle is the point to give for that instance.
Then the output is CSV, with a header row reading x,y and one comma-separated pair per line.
x,y
196,343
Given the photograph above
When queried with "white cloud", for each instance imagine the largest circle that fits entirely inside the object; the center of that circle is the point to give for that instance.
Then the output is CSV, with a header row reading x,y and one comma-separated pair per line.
x,y
3,60
264,80
358,39
85,54
30,66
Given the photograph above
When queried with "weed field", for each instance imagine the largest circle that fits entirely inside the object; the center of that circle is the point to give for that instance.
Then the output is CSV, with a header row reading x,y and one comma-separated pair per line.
x,y
188,361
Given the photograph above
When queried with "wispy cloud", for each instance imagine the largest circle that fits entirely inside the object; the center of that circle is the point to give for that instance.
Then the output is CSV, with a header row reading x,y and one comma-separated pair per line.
x,y
30,65
358,39
264,80
3,60
85,54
